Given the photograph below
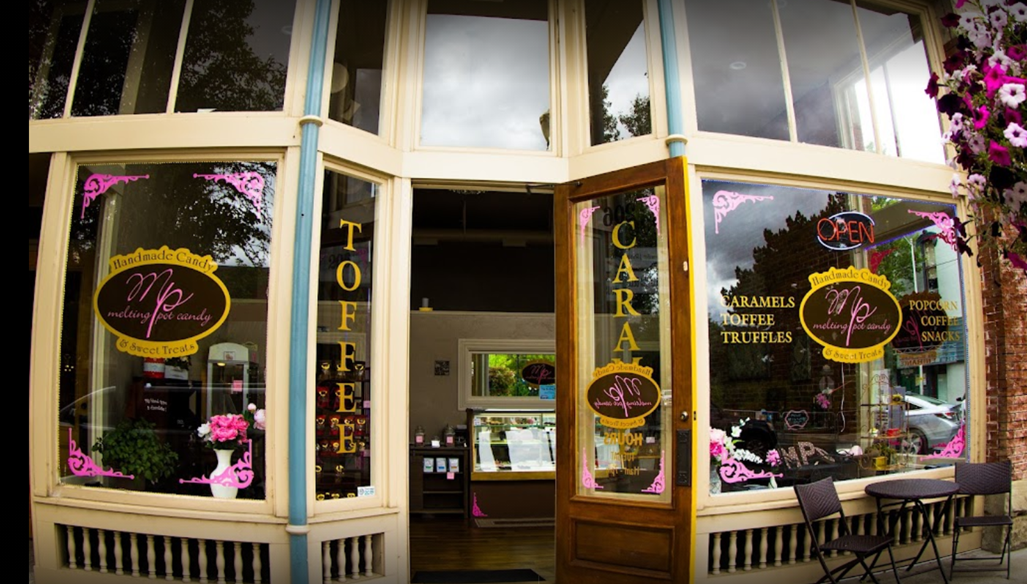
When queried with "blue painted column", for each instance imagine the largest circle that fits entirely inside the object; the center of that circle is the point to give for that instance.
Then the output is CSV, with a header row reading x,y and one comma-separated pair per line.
x,y
300,314
672,80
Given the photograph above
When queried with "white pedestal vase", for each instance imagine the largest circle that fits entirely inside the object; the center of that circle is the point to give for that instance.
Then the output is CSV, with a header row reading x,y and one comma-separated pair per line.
x,y
224,463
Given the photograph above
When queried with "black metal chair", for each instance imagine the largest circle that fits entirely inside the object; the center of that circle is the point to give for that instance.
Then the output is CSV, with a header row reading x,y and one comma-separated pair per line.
x,y
819,501
985,478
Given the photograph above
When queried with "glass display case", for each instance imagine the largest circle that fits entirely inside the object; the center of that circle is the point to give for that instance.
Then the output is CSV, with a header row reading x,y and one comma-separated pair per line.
x,y
512,445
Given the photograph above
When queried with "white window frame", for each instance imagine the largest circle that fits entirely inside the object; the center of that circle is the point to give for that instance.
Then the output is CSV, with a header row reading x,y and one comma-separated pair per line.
x,y
465,351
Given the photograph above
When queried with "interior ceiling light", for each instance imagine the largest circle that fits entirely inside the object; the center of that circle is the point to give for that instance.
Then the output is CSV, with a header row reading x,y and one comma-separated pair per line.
x,y
737,65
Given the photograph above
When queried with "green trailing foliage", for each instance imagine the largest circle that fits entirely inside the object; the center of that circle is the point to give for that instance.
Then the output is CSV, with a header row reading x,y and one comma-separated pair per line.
x,y
133,448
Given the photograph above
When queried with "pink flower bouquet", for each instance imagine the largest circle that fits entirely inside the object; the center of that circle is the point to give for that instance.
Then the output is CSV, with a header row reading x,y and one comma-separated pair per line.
x,y
224,432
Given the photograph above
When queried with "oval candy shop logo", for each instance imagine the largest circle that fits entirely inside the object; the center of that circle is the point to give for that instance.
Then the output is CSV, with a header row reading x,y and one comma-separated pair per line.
x,y
160,302
846,230
623,394
537,373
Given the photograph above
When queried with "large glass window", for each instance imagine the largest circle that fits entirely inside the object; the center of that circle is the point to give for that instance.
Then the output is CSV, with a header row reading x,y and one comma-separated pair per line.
x,y
506,374
836,330
343,393
486,75
797,71
165,328
356,78
54,28
618,71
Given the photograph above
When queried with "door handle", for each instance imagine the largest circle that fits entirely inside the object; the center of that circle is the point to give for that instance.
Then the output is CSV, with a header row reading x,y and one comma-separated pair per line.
x,y
684,416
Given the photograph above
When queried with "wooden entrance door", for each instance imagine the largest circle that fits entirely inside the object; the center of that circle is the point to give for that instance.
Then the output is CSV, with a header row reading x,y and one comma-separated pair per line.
x,y
624,378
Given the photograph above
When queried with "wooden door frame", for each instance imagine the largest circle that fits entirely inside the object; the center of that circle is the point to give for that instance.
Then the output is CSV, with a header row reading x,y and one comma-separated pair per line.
x,y
676,522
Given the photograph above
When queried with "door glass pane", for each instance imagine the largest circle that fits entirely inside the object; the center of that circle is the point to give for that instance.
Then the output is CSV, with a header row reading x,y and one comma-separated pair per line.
x,y
737,68
618,74
623,328
128,57
486,75
236,56
342,406
54,28
356,78
164,339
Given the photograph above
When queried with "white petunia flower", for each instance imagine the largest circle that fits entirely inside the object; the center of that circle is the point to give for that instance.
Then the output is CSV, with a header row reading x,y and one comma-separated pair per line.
x,y
956,123
999,19
975,185
976,143
1016,135
1018,11
1016,197
1012,94
954,185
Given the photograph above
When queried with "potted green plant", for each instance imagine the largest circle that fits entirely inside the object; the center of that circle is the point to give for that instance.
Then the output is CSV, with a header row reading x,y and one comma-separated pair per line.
x,y
133,448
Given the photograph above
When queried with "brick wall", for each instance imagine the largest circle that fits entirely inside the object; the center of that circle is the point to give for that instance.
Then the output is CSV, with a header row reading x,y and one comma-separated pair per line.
x,y
1005,345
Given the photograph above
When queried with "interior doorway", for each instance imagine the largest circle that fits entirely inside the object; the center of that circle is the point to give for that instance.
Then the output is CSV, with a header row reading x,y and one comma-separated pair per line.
x,y
482,383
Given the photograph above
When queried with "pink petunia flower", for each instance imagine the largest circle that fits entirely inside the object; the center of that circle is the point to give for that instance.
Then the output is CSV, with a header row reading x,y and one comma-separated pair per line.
x,y
981,115
994,78
1016,135
999,154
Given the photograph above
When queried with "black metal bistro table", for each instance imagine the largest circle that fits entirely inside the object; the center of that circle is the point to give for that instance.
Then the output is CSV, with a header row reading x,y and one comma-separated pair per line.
x,y
904,492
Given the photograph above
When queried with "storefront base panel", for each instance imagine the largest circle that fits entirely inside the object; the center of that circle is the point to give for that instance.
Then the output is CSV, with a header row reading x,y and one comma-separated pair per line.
x,y
75,545
759,547
514,499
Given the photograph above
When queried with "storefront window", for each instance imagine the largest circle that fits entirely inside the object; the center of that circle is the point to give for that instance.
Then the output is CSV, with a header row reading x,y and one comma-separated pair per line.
x,y
165,328
623,330
618,73
797,71
356,78
486,75
837,339
343,395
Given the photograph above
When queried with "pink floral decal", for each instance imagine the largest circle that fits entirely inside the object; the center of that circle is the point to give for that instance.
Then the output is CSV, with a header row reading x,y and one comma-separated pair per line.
x,y
733,471
954,449
653,203
250,184
726,201
238,475
945,223
587,480
876,257
583,218
83,466
97,184
475,510
658,482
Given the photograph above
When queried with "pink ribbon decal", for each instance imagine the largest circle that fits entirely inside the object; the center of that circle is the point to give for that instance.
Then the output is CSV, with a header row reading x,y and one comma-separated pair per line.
x,y
658,482
587,480
238,475
726,201
97,184
250,184
653,203
83,466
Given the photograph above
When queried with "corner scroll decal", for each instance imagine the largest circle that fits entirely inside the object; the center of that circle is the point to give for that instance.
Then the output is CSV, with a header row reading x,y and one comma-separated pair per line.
x,y
250,184
733,471
653,203
954,449
726,201
584,216
238,475
943,222
659,481
83,466
97,184
587,480
475,509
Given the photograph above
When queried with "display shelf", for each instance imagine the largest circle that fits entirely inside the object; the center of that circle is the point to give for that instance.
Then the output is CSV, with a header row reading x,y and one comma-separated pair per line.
x,y
442,489
512,445
342,413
